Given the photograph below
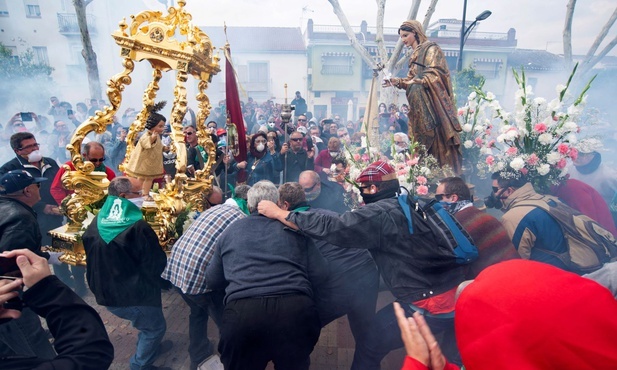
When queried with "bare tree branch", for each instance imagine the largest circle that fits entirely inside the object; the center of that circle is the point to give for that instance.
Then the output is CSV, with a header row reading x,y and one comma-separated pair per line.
x,y
336,7
429,13
588,66
600,37
379,39
567,33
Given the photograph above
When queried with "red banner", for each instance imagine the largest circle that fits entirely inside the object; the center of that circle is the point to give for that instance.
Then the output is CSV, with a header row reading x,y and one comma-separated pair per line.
x,y
234,110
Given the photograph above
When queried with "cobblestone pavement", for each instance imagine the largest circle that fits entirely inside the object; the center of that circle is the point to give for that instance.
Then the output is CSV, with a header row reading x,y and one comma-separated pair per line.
x,y
334,350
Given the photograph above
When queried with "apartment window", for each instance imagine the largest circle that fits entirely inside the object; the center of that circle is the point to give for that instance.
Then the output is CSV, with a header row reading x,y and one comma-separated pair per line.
x,y
40,55
333,63
258,71
32,9
4,9
14,55
488,67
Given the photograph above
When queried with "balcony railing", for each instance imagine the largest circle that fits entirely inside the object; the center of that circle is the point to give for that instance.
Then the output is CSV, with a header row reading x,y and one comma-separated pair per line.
x,y
67,23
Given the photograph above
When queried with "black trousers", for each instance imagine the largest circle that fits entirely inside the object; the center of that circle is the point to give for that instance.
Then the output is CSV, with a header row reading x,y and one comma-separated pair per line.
x,y
282,329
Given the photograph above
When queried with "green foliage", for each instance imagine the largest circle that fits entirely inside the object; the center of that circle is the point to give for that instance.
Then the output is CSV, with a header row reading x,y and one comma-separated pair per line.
x,y
463,84
22,80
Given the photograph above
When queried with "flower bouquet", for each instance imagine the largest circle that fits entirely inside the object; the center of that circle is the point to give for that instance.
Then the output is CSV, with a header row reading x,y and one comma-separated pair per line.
x,y
539,138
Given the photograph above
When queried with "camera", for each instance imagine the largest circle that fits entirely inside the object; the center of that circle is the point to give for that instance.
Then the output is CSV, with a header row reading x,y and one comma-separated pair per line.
x,y
26,116
493,202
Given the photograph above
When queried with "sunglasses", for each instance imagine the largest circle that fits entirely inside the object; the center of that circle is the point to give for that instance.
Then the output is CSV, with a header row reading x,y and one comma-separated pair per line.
x,y
308,190
31,146
440,197
188,133
296,139
97,160
301,120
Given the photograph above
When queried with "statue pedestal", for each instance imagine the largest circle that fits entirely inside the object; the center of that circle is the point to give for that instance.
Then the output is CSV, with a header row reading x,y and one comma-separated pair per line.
x,y
70,243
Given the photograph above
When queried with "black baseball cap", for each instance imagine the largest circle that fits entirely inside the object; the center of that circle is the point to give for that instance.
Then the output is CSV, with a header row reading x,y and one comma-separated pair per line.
x,y
17,180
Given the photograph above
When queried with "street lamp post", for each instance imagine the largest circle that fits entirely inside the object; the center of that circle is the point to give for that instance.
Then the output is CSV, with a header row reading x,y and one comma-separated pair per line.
x,y
465,32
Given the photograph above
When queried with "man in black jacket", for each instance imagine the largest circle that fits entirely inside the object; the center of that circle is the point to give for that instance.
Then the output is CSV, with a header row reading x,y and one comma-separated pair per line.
x,y
295,158
323,194
79,334
28,157
19,191
406,261
125,262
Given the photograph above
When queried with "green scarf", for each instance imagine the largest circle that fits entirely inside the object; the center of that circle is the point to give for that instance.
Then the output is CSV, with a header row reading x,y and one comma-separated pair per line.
x,y
116,216
242,204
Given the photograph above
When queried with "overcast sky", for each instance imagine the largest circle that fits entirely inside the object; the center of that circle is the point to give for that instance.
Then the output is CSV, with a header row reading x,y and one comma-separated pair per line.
x,y
538,23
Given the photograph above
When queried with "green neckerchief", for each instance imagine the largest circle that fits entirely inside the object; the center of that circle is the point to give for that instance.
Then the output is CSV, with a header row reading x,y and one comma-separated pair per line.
x,y
116,216
204,154
100,168
242,204
301,207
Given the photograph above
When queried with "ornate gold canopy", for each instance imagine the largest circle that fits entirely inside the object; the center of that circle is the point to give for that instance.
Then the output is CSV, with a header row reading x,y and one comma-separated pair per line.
x,y
151,36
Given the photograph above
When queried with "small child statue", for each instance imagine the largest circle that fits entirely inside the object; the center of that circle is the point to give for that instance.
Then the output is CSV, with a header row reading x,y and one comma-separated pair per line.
x,y
146,160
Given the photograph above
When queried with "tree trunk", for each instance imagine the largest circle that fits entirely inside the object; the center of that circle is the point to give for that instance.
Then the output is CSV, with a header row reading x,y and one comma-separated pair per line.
x,y
87,52
567,34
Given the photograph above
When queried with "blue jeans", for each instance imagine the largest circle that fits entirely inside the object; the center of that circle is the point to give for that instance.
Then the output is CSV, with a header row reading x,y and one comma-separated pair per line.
x,y
150,322
202,306
25,337
386,336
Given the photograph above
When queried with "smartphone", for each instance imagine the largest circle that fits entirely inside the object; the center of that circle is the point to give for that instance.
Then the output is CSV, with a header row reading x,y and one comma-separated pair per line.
x,y
26,116
69,112
8,267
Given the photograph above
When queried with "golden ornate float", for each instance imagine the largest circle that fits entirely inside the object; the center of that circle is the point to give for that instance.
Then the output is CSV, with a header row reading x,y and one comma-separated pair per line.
x,y
149,36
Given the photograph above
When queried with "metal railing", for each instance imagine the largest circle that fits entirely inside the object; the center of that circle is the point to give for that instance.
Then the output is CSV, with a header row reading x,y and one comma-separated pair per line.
x,y
67,23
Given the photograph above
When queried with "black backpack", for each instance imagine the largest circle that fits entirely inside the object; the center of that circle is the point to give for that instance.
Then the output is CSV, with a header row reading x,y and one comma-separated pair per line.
x,y
428,215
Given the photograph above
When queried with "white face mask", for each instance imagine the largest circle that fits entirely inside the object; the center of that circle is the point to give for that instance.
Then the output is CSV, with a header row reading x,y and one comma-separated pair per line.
x,y
35,156
139,201
260,147
333,154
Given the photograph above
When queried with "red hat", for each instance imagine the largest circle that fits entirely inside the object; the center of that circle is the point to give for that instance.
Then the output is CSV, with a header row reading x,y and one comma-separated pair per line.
x,y
377,172
220,132
522,314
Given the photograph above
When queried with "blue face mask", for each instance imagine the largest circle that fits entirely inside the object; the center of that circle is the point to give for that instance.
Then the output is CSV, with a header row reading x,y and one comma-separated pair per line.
x,y
450,207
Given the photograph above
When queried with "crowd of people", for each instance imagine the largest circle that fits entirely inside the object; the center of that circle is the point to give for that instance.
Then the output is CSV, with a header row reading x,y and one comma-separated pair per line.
x,y
282,254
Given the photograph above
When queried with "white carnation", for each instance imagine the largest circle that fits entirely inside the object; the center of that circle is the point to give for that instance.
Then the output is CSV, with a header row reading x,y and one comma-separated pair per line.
x,y
570,126
545,138
560,88
539,101
490,96
472,96
511,135
553,157
468,144
543,169
517,163
501,138
467,127
554,105
572,138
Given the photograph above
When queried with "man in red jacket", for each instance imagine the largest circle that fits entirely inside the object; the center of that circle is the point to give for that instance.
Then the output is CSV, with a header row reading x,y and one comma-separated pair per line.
x,y
95,153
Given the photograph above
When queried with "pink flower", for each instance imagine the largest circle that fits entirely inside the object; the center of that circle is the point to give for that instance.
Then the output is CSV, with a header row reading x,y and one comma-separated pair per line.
x,y
422,190
365,157
540,128
561,164
478,141
356,157
461,111
413,161
533,159
401,172
511,151
555,118
421,180
490,160
524,171
491,144
573,153
563,148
